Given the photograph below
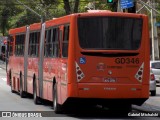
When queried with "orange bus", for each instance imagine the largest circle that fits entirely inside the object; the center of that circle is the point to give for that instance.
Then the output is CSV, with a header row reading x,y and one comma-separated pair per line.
x,y
83,59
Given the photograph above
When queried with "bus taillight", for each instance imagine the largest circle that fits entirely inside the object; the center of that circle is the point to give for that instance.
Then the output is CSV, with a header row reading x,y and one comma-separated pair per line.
x,y
79,73
139,73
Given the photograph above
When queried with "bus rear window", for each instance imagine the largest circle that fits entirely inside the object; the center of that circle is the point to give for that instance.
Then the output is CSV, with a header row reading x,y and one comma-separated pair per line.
x,y
113,33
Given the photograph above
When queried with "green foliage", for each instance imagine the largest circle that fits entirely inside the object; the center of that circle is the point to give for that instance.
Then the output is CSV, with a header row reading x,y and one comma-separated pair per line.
x,y
158,8
13,14
7,9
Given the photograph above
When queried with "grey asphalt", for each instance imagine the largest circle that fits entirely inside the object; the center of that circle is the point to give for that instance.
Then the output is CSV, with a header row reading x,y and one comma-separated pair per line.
x,y
2,64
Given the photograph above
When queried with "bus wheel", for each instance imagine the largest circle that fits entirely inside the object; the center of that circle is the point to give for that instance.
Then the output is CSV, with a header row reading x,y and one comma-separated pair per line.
x,y
57,107
10,79
35,97
22,93
12,89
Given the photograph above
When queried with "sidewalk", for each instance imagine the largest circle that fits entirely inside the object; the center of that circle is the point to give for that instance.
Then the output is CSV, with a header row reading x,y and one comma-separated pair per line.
x,y
147,107
152,104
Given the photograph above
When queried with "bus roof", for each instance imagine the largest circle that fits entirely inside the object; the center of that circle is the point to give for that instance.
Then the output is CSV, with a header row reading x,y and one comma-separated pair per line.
x,y
67,18
35,26
17,30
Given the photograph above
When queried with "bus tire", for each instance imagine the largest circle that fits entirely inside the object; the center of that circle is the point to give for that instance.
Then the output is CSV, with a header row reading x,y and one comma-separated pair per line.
x,y
57,107
12,88
35,97
10,80
22,93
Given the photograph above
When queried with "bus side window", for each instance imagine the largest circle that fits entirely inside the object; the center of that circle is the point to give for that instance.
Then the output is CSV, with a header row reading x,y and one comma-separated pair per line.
x,y
55,41
29,50
10,46
45,43
22,39
65,41
37,43
48,47
33,44
18,44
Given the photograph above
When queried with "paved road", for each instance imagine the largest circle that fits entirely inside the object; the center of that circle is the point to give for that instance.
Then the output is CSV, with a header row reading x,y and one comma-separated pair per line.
x,y
12,102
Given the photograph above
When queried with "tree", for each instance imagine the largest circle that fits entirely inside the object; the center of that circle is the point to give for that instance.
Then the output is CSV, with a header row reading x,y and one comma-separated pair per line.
x,y
76,6
6,10
67,7
13,14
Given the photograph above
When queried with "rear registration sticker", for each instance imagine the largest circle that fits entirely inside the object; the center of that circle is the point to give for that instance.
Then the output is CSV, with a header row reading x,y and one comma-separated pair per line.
x,y
110,80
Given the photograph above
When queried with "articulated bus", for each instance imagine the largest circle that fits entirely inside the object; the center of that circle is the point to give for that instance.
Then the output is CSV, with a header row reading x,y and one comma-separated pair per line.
x,y
92,58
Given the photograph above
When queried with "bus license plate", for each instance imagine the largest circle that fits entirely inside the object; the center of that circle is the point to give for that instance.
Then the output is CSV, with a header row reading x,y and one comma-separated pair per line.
x,y
110,80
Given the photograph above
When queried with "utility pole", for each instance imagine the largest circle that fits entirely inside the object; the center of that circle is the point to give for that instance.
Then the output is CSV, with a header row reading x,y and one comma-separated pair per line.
x,y
152,35
40,16
119,7
153,11
150,6
156,47
40,64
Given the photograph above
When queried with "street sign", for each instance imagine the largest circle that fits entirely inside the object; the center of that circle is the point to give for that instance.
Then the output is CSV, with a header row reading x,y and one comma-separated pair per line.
x,y
157,24
126,4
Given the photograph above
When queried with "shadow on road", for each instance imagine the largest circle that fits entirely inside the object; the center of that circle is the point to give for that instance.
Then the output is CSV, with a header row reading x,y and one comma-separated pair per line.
x,y
98,113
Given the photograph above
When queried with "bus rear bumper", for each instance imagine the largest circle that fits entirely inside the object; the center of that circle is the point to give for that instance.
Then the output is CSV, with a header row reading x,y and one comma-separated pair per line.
x,y
115,91
111,93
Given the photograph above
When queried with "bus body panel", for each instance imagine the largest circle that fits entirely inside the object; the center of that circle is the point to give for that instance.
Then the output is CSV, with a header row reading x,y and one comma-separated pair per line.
x,y
118,74
16,62
33,60
56,68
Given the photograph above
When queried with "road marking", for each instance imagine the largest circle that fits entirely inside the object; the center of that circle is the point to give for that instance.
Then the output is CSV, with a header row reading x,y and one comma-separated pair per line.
x,y
4,79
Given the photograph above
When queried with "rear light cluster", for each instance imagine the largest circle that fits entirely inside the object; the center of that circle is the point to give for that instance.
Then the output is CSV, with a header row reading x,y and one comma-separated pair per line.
x,y
139,73
152,77
80,74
